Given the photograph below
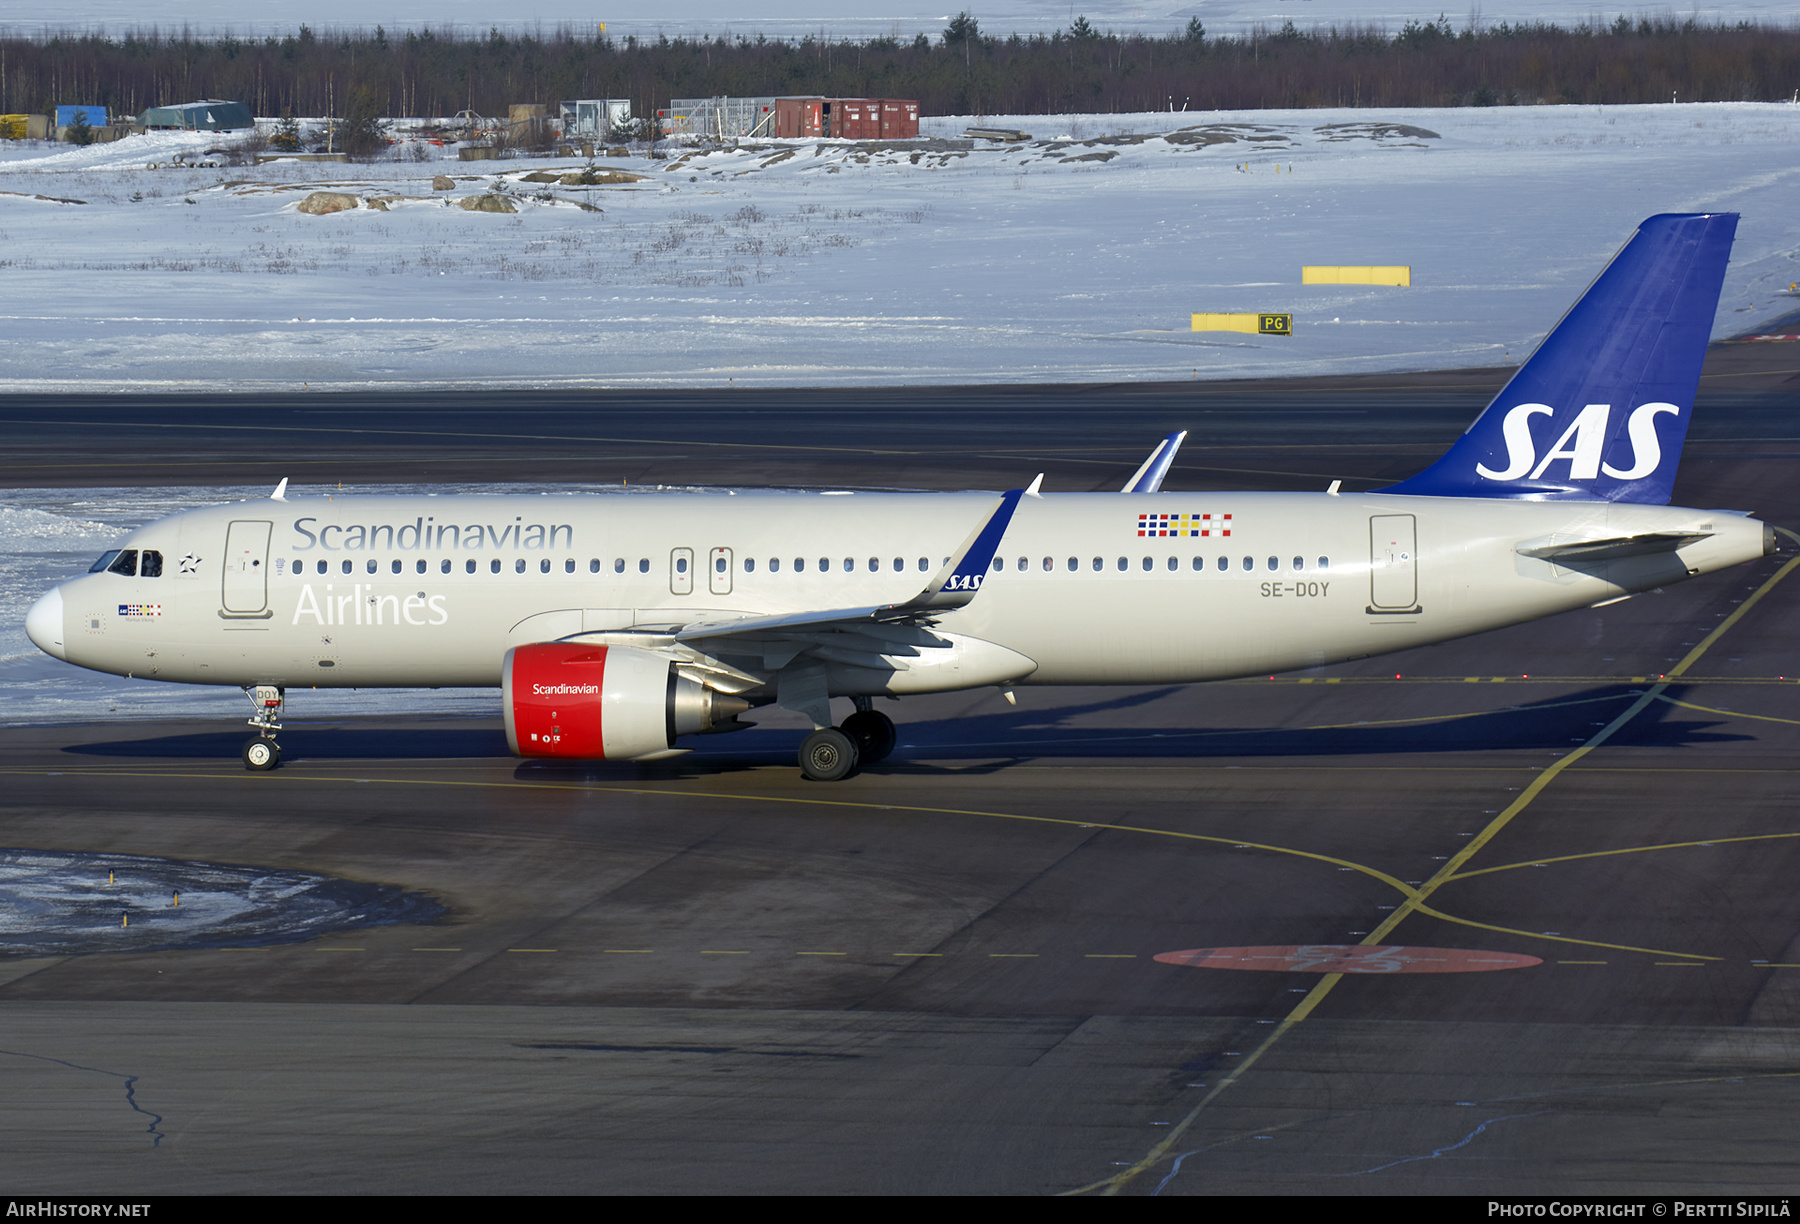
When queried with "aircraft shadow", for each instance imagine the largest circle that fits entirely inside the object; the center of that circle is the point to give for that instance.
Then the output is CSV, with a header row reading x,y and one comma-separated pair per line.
x,y
998,739
1004,738
334,743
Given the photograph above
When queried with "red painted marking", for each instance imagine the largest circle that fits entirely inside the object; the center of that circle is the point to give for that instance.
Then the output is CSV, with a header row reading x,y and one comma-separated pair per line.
x,y
1349,958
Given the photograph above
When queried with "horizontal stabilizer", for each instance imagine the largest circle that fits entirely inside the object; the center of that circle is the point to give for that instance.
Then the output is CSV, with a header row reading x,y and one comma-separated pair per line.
x,y
1572,552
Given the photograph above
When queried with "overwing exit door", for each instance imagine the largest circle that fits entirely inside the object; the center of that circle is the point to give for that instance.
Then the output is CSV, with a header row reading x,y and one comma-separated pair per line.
x,y
681,571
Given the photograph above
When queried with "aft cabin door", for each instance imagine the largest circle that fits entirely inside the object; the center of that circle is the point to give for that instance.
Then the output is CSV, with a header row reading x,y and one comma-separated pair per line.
x,y
1393,563
246,591
681,571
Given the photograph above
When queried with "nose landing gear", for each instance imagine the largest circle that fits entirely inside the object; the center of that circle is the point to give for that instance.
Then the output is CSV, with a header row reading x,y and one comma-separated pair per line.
x,y
261,752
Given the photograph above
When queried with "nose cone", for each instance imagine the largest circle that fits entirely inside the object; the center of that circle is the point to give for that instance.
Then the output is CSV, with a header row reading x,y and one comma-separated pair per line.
x,y
44,623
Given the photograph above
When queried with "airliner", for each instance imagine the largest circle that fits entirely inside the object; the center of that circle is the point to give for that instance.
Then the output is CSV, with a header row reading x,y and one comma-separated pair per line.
x,y
614,626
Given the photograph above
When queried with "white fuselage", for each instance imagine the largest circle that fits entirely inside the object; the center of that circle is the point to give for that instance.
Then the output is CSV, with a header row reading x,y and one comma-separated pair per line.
x,y
1085,588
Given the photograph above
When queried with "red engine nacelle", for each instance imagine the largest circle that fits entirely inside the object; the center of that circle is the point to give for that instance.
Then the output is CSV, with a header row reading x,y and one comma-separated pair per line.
x,y
619,703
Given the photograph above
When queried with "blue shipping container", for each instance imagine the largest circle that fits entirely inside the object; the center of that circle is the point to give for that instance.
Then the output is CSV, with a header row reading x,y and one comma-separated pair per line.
x,y
96,115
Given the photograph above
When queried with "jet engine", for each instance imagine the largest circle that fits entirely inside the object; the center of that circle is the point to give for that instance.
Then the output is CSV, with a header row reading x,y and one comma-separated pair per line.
x,y
591,702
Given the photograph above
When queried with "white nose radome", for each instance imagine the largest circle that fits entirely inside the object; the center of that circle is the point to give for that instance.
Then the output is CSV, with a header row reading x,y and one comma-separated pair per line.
x,y
44,623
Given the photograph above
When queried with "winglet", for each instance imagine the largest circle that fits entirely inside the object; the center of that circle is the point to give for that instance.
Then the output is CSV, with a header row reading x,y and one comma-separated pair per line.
x,y
280,493
1149,477
1032,489
956,584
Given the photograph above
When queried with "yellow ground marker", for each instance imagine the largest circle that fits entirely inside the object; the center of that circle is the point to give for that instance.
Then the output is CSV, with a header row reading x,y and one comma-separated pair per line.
x,y
1399,275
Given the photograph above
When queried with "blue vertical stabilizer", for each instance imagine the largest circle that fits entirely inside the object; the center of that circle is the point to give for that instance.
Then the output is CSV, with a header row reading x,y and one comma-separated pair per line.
x,y
1600,410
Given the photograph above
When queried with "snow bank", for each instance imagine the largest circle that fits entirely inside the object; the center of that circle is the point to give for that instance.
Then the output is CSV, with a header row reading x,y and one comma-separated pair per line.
x,y
1078,256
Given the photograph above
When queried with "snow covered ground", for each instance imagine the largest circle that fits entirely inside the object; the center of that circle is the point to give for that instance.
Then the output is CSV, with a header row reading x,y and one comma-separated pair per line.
x,y
1068,259
799,18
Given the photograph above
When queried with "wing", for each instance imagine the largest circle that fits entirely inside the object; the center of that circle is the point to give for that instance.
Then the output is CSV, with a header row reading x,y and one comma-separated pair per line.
x,y
953,586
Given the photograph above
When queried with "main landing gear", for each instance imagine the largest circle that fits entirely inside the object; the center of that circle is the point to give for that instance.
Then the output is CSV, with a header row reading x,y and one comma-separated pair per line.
x,y
261,752
865,737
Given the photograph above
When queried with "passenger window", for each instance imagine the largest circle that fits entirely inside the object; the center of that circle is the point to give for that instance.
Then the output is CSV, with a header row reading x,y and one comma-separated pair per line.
x,y
1324,562
346,566
849,565
1249,563
1146,564
1048,565
1274,563
544,565
643,565
749,565
824,565
420,566
494,566
874,565
1173,564
369,565
1200,563
1098,565
681,565
618,565
799,565
924,565
519,565
999,564
125,565
321,567
469,566
1299,563
594,565
1224,564
718,565
899,565
1023,565
1074,565
1123,563
105,562
774,565
395,567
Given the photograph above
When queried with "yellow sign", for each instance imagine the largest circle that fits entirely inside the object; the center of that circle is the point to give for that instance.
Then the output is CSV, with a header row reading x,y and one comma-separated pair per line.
x,y
1253,324
1356,274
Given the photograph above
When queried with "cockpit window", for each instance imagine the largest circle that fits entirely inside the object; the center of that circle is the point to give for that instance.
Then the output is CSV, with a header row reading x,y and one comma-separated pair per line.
x,y
106,559
152,564
125,563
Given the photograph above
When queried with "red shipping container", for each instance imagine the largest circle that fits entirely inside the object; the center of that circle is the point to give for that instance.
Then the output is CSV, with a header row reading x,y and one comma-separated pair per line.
x,y
899,119
861,119
798,117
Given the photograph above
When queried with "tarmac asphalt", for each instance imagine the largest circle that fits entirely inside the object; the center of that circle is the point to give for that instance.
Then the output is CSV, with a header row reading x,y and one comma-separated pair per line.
x,y
951,973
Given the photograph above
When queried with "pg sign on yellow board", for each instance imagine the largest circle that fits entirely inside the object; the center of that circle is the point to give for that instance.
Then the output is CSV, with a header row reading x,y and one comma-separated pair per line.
x,y
1255,324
